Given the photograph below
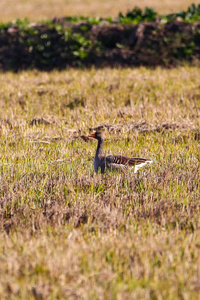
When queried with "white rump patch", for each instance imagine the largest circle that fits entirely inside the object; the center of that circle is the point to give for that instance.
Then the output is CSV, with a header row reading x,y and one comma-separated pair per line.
x,y
137,167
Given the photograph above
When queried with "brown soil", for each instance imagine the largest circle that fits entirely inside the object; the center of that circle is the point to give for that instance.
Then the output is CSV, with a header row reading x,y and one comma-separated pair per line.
x,y
149,44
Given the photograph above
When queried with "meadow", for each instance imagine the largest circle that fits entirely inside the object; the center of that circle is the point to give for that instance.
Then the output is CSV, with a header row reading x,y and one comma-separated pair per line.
x,y
68,233
37,10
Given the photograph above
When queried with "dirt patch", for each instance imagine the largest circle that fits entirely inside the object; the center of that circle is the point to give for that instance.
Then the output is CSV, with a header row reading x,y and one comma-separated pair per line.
x,y
144,127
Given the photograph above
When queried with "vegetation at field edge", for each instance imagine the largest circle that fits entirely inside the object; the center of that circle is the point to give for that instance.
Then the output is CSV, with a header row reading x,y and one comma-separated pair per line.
x,y
139,37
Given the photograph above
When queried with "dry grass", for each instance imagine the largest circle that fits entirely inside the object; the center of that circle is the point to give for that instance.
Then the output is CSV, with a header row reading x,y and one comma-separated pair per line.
x,y
68,233
37,10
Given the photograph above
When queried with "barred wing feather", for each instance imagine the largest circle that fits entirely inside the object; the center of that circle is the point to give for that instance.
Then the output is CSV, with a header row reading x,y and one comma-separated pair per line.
x,y
123,161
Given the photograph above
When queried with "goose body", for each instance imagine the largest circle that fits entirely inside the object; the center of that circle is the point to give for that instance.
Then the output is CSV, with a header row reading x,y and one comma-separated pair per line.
x,y
113,162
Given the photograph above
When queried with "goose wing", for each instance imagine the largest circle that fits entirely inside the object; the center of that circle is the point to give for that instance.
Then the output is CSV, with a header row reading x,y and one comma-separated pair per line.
x,y
119,161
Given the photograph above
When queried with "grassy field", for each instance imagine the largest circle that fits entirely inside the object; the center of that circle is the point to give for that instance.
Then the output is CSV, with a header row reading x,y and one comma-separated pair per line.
x,y
66,233
37,10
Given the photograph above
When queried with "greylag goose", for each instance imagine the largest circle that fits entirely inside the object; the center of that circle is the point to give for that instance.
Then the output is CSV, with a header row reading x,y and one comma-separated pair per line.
x,y
112,162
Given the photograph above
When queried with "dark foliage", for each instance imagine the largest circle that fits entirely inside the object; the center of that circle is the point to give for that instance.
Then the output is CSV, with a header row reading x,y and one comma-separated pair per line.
x,y
138,38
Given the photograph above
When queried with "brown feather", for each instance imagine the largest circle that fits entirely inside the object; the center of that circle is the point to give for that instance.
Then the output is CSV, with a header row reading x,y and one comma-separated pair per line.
x,y
125,160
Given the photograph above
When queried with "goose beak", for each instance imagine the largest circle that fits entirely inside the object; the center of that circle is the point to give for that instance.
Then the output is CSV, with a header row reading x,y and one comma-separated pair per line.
x,y
92,135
